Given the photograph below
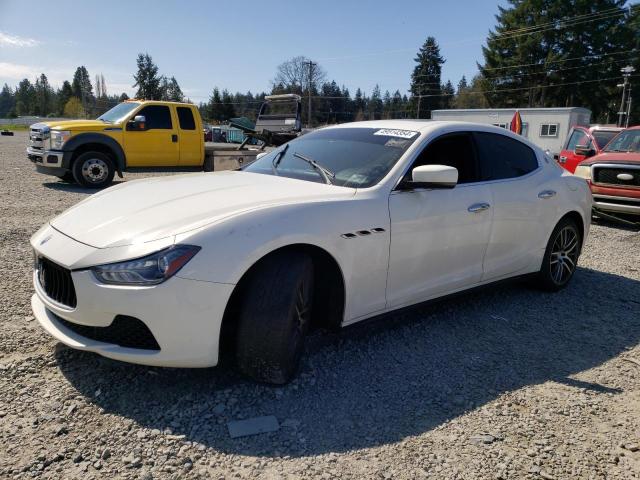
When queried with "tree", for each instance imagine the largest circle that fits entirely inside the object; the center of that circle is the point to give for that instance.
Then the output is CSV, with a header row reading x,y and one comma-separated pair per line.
x,y
172,90
293,75
74,108
81,86
447,94
214,112
7,101
123,96
375,104
228,110
425,79
43,101
472,96
147,80
25,98
569,54
63,96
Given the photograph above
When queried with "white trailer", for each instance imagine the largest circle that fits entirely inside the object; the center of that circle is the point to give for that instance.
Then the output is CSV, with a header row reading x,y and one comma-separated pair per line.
x,y
546,127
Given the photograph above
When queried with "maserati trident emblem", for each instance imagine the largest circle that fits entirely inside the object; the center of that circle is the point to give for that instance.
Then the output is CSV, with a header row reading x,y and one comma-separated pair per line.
x,y
624,176
45,239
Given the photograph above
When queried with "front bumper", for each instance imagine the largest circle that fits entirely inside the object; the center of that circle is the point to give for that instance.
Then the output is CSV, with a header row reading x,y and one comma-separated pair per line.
x,y
184,316
50,162
616,199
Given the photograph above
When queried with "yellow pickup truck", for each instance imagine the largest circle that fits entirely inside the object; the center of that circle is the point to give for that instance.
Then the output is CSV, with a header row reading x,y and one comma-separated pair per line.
x,y
132,134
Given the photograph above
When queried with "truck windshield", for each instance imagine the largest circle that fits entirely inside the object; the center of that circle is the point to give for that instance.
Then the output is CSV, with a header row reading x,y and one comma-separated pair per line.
x,y
626,141
355,157
119,112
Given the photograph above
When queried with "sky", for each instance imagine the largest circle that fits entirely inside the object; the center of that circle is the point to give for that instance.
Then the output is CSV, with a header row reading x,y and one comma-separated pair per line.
x,y
238,45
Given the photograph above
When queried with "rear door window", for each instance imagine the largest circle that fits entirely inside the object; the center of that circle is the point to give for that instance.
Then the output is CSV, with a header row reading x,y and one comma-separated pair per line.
x,y
453,150
502,157
157,117
185,117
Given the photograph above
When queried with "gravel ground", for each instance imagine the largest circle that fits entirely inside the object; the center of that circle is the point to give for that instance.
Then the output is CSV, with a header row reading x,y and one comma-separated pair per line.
x,y
506,383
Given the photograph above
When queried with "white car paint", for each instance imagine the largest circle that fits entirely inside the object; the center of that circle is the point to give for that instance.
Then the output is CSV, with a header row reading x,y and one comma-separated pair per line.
x,y
430,246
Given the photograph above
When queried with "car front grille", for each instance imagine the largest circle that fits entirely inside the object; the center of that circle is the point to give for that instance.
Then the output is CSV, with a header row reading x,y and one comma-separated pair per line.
x,y
610,175
56,281
124,331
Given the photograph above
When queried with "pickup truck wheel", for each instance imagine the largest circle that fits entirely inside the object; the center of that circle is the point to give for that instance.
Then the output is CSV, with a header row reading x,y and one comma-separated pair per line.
x,y
274,318
93,170
67,177
561,257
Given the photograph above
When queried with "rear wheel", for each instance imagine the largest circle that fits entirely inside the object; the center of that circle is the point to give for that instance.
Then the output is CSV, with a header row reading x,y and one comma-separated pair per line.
x,y
561,256
93,170
274,317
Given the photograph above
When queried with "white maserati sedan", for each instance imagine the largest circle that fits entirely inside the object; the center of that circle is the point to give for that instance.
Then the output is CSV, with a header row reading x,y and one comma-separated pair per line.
x,y
342,224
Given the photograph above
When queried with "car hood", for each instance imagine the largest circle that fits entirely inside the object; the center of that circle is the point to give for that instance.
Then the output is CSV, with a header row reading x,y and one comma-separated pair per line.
x,y
76,125
613,157
145,210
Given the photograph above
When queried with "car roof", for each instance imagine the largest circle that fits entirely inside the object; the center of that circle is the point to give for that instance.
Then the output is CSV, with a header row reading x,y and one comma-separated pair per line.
x,y
419,125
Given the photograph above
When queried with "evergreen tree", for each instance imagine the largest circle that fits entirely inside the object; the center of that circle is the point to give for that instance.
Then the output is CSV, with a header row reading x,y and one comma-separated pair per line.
x,y
63,96
425,79
7,101
447,95
562,45
123,96
174,92
214,112
462,84
472,96
81,85
43,96
375,104
228,110
147,79
25,98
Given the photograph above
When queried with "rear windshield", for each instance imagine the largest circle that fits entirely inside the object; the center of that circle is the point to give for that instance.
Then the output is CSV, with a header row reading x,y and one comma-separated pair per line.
x,y
626,141
603,137
357,157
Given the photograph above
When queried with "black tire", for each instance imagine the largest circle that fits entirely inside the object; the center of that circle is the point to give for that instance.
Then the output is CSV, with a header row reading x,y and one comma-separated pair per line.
x,y
93,170
67,177
561,257
274,318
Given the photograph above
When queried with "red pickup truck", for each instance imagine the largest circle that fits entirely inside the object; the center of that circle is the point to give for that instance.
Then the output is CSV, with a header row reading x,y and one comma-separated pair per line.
x,y
614,174
585,142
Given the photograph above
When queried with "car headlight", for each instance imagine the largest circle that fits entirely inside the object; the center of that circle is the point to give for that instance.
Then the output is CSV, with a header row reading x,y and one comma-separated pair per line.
x,y
150,270
58,137
583,171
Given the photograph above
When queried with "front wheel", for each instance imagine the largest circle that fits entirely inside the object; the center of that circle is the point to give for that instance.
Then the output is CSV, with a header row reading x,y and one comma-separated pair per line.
x,y
274,317
93,170
561,256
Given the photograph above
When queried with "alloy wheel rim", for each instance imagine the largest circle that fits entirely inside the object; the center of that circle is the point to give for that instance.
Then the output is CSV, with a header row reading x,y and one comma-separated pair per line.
x,y
564,255
95,170
301,313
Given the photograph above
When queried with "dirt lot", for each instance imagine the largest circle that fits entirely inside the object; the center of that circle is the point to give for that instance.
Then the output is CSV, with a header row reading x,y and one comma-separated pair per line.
x,y
506,383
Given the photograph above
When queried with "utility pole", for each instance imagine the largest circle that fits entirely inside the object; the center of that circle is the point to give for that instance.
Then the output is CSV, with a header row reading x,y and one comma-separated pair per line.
x,y
310,64
625,104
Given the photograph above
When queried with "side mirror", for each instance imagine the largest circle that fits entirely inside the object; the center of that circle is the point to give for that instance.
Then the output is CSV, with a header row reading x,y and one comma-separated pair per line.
x,y
584,151
138,123
432,176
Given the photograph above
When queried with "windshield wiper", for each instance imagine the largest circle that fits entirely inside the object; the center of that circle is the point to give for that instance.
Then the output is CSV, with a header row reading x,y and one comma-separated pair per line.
x,y
325,173
277,158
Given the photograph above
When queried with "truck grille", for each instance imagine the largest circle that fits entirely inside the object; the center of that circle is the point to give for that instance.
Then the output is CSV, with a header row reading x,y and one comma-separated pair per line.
x,y
37,137
611,175
128,332
56,281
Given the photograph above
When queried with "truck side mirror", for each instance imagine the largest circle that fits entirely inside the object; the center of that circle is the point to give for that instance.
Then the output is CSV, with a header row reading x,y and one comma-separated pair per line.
x,y
584,151
138,123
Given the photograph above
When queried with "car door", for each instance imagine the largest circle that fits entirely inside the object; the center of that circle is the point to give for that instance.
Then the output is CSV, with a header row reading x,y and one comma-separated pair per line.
x,y
155,145
568,158
439,236
189,138
521,200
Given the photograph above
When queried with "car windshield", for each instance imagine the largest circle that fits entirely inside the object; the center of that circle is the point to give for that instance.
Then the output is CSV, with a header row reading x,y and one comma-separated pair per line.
x,y
627,141
119,112
603,137
357,157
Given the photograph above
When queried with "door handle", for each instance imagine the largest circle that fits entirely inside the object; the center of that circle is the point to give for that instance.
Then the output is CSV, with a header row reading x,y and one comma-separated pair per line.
x,y
563,159
479,207
547,194
174,138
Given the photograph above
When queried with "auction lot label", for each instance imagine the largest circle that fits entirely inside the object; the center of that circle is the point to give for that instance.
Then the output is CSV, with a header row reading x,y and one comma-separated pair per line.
x,y
390,132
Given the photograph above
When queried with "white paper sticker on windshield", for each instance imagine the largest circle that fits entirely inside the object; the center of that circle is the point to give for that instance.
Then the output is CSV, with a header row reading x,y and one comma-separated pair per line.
x,y
392,132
